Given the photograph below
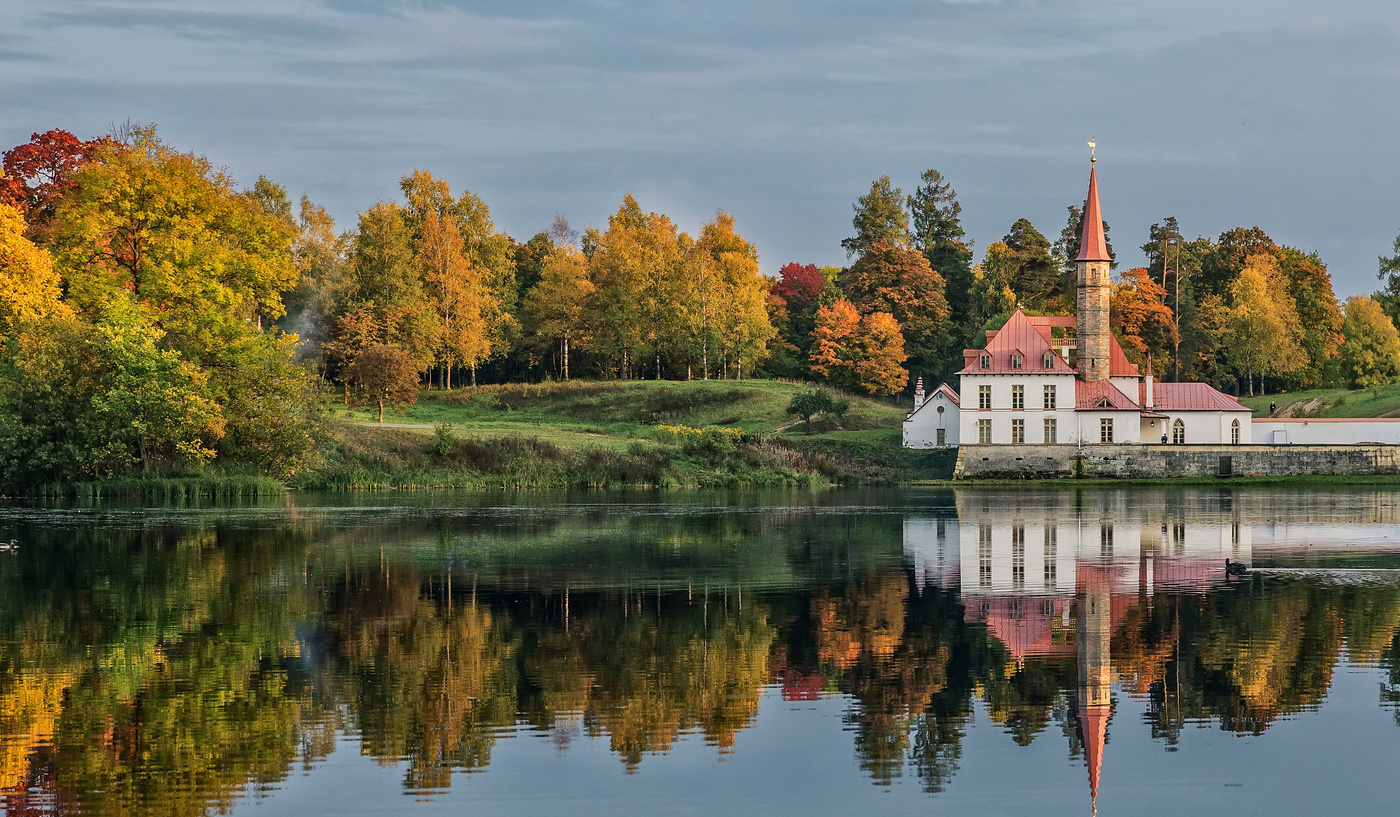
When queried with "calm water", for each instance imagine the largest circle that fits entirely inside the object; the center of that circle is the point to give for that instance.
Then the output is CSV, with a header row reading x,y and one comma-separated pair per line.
x,y
978,651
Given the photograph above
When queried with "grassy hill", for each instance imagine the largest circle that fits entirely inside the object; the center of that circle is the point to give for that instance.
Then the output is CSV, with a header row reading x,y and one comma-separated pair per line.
x,y
698,433
1382,401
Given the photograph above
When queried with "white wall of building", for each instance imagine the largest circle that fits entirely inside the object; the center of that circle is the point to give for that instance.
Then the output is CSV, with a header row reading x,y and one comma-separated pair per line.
x,y
1126,426
1201,427
921,428
1034,414
1326,431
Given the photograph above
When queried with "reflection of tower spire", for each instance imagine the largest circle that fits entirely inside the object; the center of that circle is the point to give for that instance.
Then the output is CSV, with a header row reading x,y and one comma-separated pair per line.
x,y
1095,632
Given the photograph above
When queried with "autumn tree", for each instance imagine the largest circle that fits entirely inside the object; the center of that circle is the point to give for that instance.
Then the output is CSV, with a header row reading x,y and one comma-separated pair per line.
x,y
1370,351
383,375
863,353
879,365
880,218
1140,316
1258,324
635,268
29,285
900,282
793,301
738,291
554,307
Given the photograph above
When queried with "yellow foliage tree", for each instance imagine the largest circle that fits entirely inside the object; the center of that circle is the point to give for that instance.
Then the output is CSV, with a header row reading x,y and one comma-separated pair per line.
x,y
29,286
1260,329
554,307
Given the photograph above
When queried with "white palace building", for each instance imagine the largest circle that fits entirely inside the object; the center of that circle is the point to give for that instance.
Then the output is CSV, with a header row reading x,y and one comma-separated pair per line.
x,y
1065,380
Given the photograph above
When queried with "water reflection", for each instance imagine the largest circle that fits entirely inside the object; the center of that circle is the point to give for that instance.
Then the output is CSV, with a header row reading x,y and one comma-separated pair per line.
x,y
173,662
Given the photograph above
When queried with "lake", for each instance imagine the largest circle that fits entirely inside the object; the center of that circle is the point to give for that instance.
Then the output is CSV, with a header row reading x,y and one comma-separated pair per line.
x,y
972,651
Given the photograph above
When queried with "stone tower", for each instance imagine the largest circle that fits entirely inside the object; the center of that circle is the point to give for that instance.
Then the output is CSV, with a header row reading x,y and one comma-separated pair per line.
x,y
1091,267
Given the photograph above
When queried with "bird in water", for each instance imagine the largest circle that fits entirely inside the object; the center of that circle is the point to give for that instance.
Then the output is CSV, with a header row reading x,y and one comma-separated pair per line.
x,y
1235,568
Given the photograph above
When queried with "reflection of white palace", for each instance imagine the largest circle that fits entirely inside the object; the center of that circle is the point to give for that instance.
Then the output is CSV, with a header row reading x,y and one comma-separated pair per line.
x,y
1056,573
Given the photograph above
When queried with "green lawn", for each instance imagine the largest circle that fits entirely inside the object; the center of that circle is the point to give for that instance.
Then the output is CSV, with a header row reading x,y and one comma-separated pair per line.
x,y
1382,401
620,433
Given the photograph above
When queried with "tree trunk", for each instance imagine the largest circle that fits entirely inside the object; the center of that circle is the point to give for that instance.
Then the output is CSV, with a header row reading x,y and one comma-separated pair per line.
x,y
566,357
473,375
658,362
381,410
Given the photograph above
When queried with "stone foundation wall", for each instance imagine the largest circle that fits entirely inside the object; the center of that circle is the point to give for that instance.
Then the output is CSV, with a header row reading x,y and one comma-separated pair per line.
x,y
1157,461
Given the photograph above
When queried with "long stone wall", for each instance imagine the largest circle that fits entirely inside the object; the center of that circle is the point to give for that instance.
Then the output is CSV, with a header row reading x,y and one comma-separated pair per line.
x,y
1157,461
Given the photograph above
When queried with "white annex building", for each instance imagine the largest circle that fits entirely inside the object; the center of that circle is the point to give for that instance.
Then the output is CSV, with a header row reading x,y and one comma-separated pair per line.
x,y
1065,380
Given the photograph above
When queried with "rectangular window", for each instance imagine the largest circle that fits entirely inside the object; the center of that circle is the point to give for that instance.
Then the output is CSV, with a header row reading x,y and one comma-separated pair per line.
x,y
984,555
1018,557
1049,398
985,361
984,431
1018,397
1105,429
1050,431
1016,361
984,397
1051,546
1018,432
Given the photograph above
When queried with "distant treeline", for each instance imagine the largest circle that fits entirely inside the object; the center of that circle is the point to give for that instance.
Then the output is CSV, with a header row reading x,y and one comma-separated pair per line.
x,y
152,314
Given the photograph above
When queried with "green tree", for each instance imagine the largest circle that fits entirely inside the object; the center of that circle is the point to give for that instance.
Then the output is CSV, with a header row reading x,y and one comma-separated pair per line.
x,y
880,217
938,233
1370,351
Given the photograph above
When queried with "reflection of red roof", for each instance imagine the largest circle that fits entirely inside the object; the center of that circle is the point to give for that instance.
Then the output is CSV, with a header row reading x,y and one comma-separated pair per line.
x,y
1019,335
1093,246
1021,624
1188,397
1087,395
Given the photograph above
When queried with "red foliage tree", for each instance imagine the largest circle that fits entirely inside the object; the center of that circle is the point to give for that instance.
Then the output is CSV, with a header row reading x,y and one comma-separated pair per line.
x,y
39,172
799,283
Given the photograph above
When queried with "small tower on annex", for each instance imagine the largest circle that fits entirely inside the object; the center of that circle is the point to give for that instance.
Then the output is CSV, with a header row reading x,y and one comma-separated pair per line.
x,y
1091,267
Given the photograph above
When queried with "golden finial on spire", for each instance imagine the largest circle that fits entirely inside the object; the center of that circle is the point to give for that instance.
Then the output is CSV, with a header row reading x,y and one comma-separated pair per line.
x,y
1092,147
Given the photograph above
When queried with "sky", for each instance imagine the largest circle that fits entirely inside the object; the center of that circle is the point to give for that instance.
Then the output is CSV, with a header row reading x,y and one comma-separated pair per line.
x,y
1223,113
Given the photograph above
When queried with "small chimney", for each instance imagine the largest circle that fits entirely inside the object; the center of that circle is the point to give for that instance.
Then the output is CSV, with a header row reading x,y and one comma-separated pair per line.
x,y
919,394
1148,402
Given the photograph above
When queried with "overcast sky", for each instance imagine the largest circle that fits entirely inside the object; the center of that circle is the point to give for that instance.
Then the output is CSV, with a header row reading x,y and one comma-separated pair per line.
x,y
1276,113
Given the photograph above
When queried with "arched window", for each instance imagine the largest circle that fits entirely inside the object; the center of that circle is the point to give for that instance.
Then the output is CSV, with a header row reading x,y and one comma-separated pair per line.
x,y
1178,432
1235,433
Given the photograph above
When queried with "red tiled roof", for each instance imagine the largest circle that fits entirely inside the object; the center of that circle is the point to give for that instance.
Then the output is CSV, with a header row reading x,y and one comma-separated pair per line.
x,y
1088,394
1188,397
1092,244
1018,335
948,390
1118,365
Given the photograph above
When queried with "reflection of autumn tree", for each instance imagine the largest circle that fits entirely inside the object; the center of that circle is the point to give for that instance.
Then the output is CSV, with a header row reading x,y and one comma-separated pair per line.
x,y
675,663
891,665
429,682
149,671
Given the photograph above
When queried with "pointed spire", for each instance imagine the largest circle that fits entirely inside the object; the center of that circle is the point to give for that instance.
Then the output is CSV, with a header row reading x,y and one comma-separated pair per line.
x,y
1092,244
1094,722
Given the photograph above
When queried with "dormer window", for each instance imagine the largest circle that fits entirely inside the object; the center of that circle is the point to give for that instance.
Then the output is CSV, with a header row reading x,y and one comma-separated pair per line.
x,y
1016,360
986,361
1104,403
1049,361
